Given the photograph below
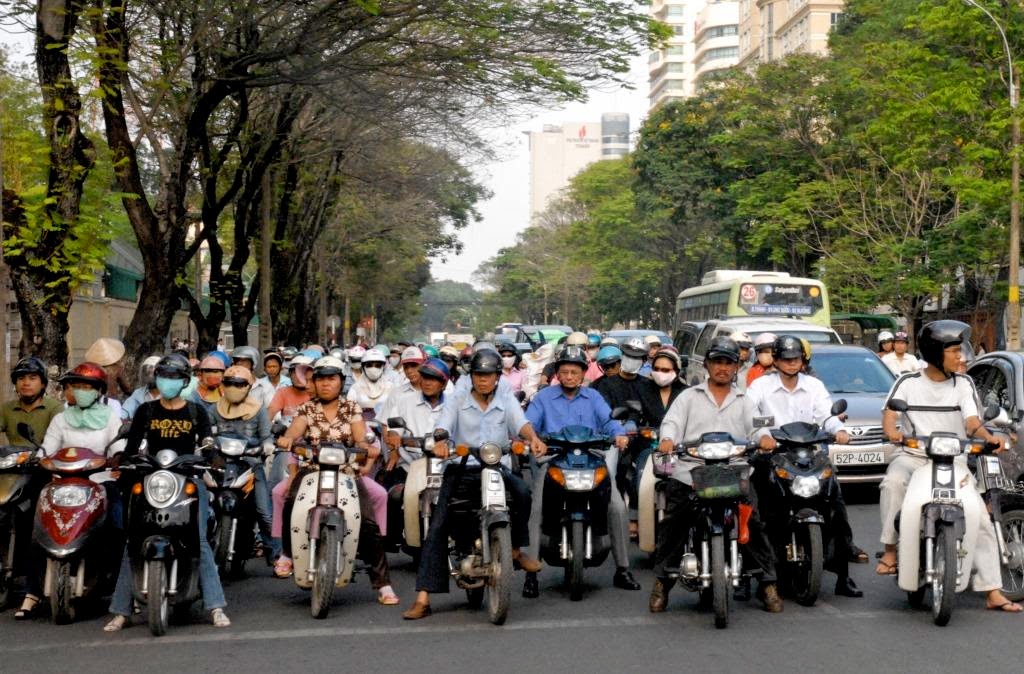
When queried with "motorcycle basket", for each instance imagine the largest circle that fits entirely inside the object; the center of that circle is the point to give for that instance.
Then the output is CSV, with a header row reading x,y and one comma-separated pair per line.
x,y
720,481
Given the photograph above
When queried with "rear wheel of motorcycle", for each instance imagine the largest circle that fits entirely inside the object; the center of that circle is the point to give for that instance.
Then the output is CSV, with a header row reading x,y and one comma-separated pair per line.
x,y
579,556
222,547
328,553
157,603
1013,572
499,585
719,583
944,585
63,597
807,582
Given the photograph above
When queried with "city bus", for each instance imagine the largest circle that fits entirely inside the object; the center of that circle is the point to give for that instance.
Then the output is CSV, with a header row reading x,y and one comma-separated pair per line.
x,y
728,293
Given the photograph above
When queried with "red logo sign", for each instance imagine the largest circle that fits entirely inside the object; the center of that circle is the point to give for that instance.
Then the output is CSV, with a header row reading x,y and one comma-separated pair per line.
x,y
583,132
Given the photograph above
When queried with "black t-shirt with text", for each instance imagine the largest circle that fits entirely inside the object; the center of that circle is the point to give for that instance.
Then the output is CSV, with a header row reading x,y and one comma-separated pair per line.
x,y
162,428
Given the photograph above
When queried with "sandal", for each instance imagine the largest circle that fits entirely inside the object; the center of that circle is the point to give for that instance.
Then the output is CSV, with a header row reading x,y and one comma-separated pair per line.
x,y
857,555
116,624
1007,607
219,618
886,569
283,567
28,607
387,596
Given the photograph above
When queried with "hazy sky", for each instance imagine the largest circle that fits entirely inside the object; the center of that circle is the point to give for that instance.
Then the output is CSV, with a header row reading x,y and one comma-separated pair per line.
x,y
508,211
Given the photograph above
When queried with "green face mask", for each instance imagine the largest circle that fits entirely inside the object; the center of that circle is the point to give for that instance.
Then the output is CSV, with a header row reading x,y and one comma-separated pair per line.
x,y
86,397
91,416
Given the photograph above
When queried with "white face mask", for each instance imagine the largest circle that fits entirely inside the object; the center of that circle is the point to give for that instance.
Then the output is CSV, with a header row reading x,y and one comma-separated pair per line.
x,y
663,379
508,362
373,372
631,365
393,360
765,358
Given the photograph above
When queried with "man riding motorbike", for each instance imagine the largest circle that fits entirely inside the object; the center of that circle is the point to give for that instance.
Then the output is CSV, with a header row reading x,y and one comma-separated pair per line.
x,y
474,418
939,400
716,405
570,403
31,406
247,357
209,389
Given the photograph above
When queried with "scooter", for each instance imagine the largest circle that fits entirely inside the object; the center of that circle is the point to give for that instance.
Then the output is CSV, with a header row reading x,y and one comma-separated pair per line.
x,y
325,522
231,481
711,560
803,474
163,536
577,493
419,493
939,507
20,484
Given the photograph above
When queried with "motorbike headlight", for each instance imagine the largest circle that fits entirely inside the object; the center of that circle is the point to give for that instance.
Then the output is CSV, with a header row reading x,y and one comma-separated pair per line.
x,y
578,480
12,460
161,488
490,453
716,451
944,445
328,480
70,496
806,486
165,456
332,456
231,446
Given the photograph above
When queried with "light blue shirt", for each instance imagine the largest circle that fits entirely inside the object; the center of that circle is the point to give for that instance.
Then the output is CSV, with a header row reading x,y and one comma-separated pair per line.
x,y
468,424
550,411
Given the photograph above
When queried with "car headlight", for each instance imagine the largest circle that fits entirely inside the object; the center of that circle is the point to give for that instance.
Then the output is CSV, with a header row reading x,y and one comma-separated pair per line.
x,y
161,488
69,496
328,480
716,451
490,453
332,456
165,457
944,445
231,446
806,486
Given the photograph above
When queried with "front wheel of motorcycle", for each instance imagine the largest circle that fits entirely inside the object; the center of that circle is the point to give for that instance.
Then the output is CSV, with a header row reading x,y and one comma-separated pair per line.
x,y
63,596
944,584
157,603
499,585
807,579
328,554
222,546
1013,570
574,571
719,582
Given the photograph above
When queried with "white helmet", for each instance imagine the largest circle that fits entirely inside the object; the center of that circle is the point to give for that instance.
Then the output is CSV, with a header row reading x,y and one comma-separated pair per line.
x,y
763,340
576,339
356,353
742,340
327,366
301,360
374,356
885,336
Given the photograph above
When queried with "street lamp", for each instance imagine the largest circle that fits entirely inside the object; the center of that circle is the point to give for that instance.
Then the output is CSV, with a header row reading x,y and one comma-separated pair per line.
x,y
1013,308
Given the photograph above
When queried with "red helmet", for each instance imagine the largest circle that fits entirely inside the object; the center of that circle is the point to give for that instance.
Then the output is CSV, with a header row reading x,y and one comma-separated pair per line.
x,y
86,373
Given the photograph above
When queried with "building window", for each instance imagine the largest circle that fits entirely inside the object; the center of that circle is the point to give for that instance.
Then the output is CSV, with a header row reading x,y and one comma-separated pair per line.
x,y
121,284
676,50
678,30
675,85
719,53
676,67
676,10
835,18
720,31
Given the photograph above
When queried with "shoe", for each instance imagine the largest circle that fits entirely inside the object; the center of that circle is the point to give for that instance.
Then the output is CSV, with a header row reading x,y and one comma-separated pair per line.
x,y
28,608
116,624
283,567
526,564
845,587
770,597
387,596
857,555
417,611
624,580
742,591
659,595
219,618
531,588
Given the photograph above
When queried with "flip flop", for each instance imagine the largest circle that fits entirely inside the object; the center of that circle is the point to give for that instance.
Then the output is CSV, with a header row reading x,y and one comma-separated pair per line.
x,y
884,569
1005,607
388,598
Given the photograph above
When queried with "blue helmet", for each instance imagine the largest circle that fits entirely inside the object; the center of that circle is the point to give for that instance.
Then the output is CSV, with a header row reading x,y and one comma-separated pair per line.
x,y
222,357
435,368
608,355
593,340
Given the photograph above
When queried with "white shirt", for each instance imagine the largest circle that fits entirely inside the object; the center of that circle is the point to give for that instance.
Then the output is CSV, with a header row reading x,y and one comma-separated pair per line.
x,y
898,366
809,401
60,435
420,419
370,394
952,402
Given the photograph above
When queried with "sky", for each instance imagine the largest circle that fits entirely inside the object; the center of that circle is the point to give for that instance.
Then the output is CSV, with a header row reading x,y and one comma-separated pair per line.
x,y
507,212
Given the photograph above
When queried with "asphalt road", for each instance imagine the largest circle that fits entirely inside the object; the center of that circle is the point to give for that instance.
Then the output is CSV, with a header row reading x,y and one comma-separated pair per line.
x,y
609,631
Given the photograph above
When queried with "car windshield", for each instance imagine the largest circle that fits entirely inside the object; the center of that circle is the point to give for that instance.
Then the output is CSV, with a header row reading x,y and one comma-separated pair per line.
x,y
854,372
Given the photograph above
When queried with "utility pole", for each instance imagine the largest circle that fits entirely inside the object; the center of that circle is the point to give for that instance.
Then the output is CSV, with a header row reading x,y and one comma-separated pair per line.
x,y
5,329
266,328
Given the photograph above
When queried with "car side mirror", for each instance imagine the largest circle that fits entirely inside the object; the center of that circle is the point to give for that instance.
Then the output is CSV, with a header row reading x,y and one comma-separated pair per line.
x,y
897,405
998,417
838,407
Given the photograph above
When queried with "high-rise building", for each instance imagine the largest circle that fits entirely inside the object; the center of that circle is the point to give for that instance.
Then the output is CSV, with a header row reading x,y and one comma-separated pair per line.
x,y
559,152
716,40
773,29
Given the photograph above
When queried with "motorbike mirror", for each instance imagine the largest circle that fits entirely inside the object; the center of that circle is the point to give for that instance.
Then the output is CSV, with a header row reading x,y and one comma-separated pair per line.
x,y
620,413
897,405
396,422
764,422
520,395
121,435
207,443
684,362
441,435
634,405
369,438
25,431
992,411
838,407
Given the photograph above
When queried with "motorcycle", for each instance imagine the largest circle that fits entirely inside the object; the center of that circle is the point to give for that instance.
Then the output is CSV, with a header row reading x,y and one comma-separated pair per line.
x,y
480,537
804,476
163,536
73,529
419,493
711,560
940,556
20,484
1005,502
577,493
231,481
324,522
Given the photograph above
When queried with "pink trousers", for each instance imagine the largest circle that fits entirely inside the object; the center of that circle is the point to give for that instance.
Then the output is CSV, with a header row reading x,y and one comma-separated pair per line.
x,y
378,499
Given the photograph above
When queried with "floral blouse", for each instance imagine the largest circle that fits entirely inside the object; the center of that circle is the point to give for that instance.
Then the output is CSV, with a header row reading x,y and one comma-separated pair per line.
x,y
321,430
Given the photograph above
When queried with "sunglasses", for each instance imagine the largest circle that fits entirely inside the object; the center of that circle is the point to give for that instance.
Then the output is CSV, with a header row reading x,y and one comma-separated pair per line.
x,y
235,383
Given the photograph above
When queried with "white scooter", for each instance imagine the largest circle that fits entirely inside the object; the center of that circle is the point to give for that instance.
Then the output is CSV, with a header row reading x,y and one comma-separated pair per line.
x,y
325,521
942,507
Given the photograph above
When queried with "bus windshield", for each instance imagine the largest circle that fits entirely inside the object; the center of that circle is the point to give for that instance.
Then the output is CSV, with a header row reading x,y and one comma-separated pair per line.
x,y
731,294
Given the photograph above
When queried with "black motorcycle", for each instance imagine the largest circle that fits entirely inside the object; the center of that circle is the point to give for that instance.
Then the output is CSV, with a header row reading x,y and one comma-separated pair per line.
x,y
577,492
231,480
163,537
20,484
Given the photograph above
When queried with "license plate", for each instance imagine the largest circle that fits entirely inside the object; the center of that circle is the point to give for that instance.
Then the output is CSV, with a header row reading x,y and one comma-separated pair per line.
x,y
853,457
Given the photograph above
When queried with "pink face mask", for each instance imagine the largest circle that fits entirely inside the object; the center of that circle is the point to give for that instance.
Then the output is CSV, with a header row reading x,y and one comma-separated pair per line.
x,y
663,379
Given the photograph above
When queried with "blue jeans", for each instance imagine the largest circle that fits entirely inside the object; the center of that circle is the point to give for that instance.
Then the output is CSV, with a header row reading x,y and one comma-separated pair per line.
x,y
209,581
264,511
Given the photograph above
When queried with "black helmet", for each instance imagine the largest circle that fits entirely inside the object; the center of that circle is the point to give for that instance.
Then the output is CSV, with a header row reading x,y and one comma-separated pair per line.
x,y
937,335
788,346
173,366
505,347
485,361
573,355
29,365
723,346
